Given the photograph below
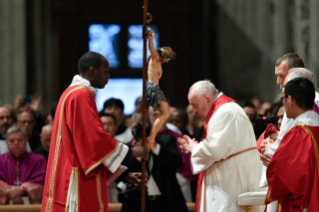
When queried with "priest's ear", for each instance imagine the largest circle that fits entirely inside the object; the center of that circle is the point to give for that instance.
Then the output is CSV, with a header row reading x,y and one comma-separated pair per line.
x,y
91,71
207,98
290,101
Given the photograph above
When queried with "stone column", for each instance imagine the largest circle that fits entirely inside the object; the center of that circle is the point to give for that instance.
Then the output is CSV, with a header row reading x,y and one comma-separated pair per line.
x,y
281,28
313,63
13,50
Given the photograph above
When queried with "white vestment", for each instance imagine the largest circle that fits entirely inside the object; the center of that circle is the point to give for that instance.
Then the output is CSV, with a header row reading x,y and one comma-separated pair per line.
x,y
286,125
229,131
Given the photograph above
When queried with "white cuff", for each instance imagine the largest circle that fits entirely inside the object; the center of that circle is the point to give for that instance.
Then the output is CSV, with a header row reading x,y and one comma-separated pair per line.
x,y
115,159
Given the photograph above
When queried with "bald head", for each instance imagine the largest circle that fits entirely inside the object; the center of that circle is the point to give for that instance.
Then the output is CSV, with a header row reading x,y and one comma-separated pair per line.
x,y
6,119
46,137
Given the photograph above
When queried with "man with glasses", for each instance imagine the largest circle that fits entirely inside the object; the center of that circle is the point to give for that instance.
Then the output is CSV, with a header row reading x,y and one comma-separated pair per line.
x,y
6,121
287,124
26,121
292,173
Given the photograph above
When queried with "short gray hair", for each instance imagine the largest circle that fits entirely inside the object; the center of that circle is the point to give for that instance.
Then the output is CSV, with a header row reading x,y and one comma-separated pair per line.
x,y
301,73
15,129
204,87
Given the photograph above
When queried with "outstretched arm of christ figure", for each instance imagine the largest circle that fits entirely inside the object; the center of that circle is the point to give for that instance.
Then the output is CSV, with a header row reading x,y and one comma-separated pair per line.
x,y
154,53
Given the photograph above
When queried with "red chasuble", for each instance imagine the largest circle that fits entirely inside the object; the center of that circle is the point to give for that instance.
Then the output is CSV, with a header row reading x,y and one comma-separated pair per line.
x,y
292,173
79,145
219,102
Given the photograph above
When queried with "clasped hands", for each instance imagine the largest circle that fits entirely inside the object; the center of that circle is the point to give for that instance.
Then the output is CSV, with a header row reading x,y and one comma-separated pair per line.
x,y
266,157
187,144
14,193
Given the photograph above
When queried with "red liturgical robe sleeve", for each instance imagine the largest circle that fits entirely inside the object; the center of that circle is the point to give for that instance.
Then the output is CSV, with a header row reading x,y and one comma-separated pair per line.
x,y
92,144
292,172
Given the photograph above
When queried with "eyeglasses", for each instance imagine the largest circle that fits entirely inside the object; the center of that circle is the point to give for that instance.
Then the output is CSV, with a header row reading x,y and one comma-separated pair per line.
x,y
284,97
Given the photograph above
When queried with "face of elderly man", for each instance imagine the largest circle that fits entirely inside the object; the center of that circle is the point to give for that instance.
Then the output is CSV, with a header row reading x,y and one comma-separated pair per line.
x,y
201,104
16,143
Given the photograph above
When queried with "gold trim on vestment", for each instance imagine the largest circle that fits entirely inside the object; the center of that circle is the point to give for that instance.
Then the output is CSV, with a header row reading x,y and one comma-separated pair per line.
x,y
98,184
315,146
76,188
280,204
269,192
56,152
237,153
101,161
74,175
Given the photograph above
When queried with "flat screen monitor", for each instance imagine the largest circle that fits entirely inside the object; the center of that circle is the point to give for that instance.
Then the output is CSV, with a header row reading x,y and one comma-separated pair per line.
x,y
135,45
104,39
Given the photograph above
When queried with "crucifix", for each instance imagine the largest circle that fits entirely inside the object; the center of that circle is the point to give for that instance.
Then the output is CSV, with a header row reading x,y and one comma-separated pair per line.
x,y
17,182
144,115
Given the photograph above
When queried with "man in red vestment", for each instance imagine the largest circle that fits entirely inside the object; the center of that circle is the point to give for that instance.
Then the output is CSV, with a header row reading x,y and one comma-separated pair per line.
x,y
83,158
292,173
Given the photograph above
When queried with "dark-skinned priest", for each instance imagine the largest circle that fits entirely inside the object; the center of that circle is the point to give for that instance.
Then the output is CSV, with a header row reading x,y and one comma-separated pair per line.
x,y
83,158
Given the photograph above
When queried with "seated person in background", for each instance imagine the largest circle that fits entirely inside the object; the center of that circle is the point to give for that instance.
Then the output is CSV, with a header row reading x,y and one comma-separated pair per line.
x,y
116,107
6,121
271,132
138,105
164,193
251,112
292,173
109,123
26,121
30,104
109,126
180,119
184,173
21,173
263,108
45,140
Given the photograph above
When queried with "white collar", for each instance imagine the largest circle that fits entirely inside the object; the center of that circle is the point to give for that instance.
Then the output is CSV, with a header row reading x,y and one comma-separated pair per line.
x,y
309,118
78,80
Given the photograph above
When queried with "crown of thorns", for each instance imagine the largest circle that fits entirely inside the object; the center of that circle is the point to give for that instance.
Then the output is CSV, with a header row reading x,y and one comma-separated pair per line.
x,y
167,52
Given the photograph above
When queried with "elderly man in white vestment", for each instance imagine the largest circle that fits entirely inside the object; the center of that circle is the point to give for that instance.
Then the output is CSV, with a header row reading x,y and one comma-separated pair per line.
x,y
226,159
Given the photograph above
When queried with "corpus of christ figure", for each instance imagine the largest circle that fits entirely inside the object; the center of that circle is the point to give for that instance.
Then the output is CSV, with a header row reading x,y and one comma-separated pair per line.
x,y
155,95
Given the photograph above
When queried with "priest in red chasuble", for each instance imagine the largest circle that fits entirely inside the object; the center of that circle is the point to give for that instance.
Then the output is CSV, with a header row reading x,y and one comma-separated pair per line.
x,y
83,158
292,173
226,159
22,173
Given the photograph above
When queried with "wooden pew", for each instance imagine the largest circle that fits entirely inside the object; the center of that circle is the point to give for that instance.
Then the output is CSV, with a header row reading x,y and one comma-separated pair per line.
x,y
113,207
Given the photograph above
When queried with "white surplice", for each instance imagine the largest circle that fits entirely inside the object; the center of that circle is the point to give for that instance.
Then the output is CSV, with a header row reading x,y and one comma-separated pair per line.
x,y
229,131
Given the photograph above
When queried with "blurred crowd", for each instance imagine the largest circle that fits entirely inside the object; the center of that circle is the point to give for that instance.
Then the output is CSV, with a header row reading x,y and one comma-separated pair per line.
x,y
25,114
